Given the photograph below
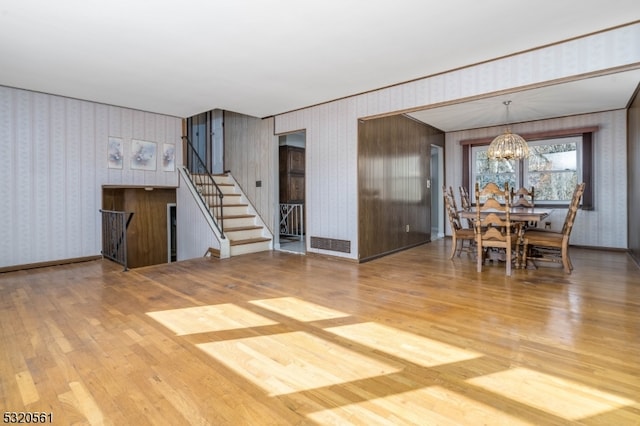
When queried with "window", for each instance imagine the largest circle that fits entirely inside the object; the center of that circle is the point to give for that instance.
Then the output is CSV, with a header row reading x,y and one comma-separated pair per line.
x,y
499,171
554,167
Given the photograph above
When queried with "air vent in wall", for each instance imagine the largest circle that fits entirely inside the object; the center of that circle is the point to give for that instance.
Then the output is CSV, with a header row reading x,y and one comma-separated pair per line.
x,y
331,244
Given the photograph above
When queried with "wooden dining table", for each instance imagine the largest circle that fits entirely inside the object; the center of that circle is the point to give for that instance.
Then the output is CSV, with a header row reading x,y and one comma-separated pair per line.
x,y
517,215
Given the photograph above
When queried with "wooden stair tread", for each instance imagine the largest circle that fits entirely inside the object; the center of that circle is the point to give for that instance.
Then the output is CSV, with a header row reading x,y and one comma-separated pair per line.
x,y
249,241
217,183
236,216
242,228
223,195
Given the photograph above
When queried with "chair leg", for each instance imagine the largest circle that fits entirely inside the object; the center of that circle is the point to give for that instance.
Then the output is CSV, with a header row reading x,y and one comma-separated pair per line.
x,y
566,262
454,244
525,259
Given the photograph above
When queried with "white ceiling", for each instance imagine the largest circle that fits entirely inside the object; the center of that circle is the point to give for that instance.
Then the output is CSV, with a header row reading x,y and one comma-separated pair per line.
x,y
263,58
595,94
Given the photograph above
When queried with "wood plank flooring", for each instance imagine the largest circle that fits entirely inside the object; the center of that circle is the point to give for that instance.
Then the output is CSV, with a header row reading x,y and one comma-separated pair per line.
x,y
276,338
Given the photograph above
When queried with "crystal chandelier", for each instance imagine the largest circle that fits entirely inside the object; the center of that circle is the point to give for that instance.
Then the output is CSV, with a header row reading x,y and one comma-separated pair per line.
x,y
508,146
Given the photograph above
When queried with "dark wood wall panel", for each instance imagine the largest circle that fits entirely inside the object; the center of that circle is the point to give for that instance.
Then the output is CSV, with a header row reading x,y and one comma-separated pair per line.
x,y
147,234
393,169
634,178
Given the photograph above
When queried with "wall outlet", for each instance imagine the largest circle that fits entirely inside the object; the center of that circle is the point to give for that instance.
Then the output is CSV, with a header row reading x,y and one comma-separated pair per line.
x,y
407,228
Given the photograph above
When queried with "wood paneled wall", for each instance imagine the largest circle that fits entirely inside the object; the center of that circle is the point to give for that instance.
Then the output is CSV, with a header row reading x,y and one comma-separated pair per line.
x,y
394,198
633,120
147,239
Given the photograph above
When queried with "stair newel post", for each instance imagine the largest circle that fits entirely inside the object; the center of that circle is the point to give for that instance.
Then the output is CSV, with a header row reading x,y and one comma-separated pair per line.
x,y
221,195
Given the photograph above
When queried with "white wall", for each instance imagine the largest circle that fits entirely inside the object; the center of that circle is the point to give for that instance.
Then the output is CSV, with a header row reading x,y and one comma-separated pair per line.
x,y
606,224
53,164
251,153
331,128
194,234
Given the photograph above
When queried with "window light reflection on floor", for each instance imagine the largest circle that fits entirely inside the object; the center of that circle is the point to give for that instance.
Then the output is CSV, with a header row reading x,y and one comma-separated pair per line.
x,y
408,346
434,405
298,309
204,319
561,397
293,362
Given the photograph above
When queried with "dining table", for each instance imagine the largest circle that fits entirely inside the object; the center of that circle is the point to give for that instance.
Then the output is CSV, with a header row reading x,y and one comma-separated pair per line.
x,y
516,214
520,216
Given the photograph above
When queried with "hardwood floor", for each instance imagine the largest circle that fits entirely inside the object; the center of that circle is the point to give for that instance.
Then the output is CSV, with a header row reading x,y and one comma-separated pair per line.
x,y
275,338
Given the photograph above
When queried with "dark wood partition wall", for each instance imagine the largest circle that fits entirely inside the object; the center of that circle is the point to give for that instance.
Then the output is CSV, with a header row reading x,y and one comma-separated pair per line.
x,y
394,200
634,178
147,237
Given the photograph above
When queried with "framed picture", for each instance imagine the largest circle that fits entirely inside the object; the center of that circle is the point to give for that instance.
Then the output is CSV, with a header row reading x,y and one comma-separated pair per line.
x,y
114,153
169,157
143,155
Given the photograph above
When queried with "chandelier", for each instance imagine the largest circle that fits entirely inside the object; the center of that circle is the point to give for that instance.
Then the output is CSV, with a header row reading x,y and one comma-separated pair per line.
x,y
508,146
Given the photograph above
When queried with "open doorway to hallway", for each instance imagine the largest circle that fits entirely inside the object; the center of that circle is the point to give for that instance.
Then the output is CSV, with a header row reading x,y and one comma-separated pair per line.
x,y
292,222
437,180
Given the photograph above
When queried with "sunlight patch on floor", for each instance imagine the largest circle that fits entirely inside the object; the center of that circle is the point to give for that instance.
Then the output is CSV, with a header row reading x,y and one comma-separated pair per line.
x,y
408,346
433,405
561,397
297,309
293,362
203,319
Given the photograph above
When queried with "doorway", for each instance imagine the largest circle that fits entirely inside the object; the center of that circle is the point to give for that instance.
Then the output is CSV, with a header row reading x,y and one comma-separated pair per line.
x,y
437,180
172,227
292,218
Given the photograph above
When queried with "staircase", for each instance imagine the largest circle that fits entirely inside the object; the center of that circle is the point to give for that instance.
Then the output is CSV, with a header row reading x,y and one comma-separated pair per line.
x,y
240,223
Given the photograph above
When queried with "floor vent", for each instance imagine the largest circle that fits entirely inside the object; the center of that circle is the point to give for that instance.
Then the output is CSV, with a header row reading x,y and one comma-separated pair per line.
x,y
331,244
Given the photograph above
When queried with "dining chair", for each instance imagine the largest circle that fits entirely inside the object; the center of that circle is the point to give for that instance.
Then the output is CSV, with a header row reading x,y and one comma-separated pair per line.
x,y
465,200
553,246
493,191
458,232
491,230
523,197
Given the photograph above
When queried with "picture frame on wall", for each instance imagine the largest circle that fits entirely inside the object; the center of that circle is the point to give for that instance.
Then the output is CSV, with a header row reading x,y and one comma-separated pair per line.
x,y
115,153
143,155
169,157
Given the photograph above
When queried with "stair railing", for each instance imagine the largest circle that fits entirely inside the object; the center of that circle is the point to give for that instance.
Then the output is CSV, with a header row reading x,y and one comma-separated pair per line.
x,y
208,190
114,235
292,220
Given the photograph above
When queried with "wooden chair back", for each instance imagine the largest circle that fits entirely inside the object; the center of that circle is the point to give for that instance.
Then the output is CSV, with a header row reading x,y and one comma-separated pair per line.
x,y
523,197
452,210
465,200
493,229
573,209
459,234
492,191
